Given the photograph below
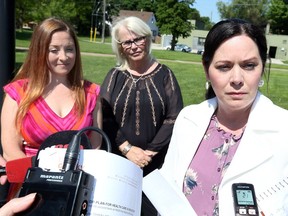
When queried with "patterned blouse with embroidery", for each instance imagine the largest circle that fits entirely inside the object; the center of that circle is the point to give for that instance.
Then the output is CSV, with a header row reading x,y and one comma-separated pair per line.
x,y
141,109
208,167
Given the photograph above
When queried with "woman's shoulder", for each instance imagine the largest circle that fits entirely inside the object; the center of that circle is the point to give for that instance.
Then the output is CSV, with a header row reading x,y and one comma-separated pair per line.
x,y
163,67
88,83
16,89
162,70
91,87
113,72
18,83
202,108
265,103
208,104
16,86
166,71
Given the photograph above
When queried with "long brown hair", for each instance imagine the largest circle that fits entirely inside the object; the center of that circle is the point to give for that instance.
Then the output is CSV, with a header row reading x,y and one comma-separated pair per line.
x,y
35,67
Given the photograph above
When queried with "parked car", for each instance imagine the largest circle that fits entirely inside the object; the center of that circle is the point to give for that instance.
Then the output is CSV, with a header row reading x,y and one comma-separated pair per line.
x,y
180,47
200,52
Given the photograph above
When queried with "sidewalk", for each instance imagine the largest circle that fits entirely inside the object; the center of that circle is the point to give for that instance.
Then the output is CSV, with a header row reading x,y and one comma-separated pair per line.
x,y
276,61
159,47
154,46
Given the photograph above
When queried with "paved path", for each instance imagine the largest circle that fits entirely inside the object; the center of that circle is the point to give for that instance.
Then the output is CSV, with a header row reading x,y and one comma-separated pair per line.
x,y
273,61
276,61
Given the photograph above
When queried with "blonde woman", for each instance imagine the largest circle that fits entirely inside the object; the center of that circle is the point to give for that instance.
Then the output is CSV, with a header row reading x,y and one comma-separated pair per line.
x,y
141,98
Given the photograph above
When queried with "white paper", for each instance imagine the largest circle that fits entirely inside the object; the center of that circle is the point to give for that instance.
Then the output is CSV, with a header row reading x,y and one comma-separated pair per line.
x,y
165,197
118,188
274,200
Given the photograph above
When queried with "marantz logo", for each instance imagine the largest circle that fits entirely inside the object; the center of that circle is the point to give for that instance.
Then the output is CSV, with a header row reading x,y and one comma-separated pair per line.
x,y
52,177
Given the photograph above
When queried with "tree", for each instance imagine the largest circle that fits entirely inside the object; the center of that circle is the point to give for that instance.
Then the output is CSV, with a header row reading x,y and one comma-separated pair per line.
x,y
253,11
194,14
173,18
145,5
278,15
24,11
172,15
82,20
207,22
77,12
64,9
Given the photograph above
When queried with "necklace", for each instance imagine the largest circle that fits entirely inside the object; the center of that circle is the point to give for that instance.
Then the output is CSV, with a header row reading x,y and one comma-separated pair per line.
x,y
135,80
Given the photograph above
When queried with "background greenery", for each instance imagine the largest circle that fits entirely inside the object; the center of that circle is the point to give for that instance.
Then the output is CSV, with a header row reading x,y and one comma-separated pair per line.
x,y
97,59
171,15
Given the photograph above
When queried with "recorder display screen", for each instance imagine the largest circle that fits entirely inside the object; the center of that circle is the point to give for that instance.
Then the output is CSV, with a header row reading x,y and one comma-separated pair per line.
x,y
244,197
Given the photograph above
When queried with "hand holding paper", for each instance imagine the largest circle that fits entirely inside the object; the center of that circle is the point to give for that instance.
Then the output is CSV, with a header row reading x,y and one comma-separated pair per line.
x,y
165,197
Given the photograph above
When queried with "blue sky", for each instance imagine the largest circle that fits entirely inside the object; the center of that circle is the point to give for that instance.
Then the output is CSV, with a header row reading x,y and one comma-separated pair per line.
x,y
208,8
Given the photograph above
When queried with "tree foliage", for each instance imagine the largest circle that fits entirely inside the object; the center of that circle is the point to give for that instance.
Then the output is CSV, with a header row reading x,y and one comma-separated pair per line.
x,y
64,9
278,15
207,23
24,11
173,18
145,5
172,15
254,11
77,12
140,5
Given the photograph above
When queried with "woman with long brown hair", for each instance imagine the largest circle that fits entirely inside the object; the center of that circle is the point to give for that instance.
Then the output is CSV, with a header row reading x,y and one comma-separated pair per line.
x,y
48,94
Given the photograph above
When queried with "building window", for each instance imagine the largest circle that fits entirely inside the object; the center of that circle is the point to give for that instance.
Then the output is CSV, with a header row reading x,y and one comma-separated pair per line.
x,y
201,41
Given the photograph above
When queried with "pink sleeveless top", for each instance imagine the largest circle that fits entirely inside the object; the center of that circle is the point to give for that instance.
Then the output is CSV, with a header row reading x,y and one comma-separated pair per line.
x,y
40,121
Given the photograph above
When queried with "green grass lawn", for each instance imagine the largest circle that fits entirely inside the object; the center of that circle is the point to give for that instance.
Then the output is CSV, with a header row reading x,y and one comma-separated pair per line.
x,y
186,67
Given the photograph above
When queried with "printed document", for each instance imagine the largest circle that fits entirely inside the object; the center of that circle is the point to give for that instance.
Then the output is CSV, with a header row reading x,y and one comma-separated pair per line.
x,y
118,188
165,197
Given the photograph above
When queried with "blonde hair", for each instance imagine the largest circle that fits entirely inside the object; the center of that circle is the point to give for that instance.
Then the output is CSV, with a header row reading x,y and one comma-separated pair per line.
x,y
135,25
35,67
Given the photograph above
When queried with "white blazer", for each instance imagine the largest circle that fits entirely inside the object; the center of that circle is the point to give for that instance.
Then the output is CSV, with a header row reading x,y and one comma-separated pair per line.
x,y
261,158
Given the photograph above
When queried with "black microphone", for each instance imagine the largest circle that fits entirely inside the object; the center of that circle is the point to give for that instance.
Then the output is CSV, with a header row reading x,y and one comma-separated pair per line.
x,y
72,154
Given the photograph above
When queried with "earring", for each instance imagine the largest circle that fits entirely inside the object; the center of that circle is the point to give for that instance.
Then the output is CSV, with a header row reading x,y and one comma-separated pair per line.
x,y
261,83
207,84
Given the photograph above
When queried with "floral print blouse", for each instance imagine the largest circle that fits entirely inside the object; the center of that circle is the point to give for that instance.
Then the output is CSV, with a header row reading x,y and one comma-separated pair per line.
x,y
207,168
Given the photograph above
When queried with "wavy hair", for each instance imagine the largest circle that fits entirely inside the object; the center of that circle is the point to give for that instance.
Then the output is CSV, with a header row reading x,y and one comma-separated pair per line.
x,y
36,70
135,25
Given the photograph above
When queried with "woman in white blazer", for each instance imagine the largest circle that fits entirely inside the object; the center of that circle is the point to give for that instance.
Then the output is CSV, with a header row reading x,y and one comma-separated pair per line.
x,y
237,135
